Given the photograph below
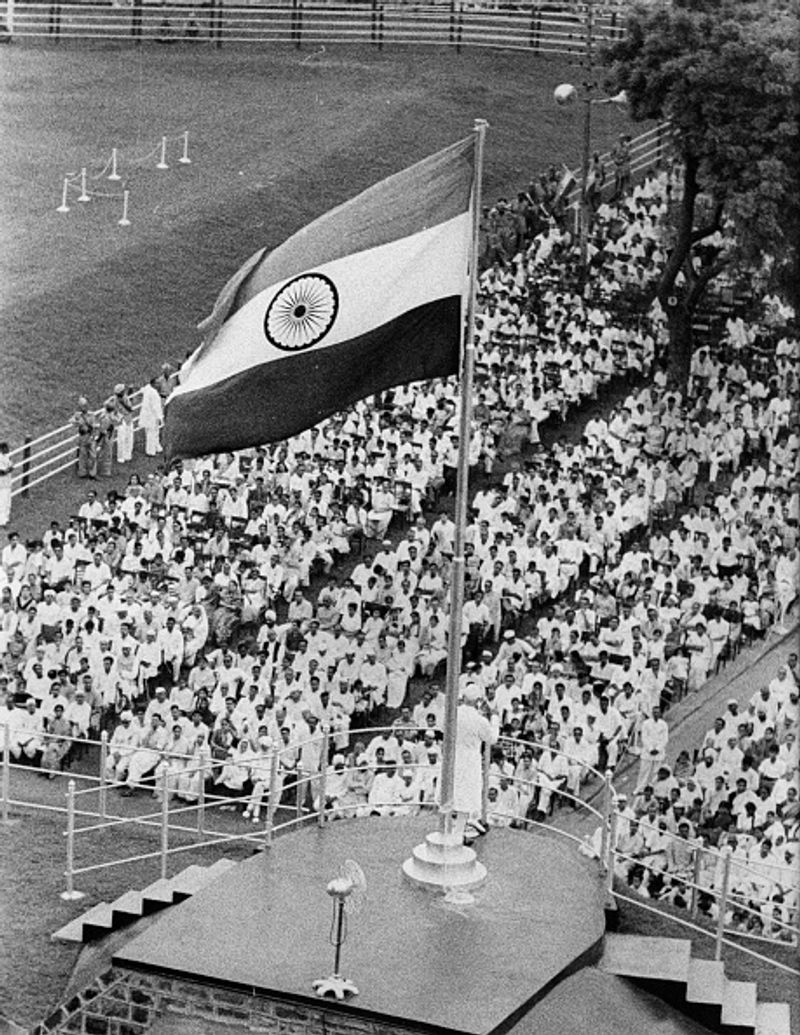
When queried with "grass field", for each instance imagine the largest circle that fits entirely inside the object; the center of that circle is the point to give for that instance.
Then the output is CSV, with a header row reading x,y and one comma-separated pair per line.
x,y
277,137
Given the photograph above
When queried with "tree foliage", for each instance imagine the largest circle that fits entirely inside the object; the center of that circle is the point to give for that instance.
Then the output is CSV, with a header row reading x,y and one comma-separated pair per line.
x,y
725,73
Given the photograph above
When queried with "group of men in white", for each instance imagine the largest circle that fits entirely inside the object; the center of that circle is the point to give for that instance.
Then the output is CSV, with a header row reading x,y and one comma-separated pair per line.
x,y
146,590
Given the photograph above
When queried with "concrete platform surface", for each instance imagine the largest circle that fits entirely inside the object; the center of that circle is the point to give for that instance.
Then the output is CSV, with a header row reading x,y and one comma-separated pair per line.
x,y
264,927
593,1002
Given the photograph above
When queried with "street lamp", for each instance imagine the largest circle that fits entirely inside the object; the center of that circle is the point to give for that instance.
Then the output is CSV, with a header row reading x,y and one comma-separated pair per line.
x,y
565,94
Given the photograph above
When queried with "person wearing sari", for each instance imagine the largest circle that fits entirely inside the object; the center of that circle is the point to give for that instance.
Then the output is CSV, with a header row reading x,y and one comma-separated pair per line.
x,y
227,614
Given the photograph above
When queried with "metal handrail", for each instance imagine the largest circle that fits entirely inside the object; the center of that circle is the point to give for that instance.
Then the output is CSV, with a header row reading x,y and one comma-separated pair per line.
x,y
522,744
713,892
702,930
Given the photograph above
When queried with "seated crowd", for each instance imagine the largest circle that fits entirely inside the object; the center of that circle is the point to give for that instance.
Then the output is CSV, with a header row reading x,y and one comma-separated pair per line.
x,y
215,619
736,795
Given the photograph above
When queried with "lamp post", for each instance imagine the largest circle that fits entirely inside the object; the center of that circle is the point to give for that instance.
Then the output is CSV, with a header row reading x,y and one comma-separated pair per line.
x,y
565,94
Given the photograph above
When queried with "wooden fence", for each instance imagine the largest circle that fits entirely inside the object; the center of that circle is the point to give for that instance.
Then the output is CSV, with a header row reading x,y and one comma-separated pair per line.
x,y
536,28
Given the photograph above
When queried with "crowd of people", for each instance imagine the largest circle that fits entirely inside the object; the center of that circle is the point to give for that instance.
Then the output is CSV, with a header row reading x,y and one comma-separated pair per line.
x,y
731,803
216,618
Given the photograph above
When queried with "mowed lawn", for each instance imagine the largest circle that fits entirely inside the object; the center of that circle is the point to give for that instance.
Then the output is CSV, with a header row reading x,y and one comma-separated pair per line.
x,y
277,136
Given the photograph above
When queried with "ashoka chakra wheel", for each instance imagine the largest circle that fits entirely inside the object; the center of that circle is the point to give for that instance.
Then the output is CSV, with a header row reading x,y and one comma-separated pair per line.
x,y
302,312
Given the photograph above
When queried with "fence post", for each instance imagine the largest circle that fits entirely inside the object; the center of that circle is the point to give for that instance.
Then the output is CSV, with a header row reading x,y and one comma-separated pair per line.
x,y
373,22
6,778
164,822
103,786
380,26
608,807
26,465
299,39
272,803
698,859
459,28
71,895
533,41
612,849
300,794
136,21
323,774
452,24
486,764
201,802
218,40
722,901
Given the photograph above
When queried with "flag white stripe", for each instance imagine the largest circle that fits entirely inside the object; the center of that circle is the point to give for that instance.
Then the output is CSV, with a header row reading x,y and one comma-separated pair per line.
x,y
374,287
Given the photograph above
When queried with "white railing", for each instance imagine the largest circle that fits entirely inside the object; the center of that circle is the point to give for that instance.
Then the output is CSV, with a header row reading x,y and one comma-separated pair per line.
x,y
311,804
532,28
48,455
56,451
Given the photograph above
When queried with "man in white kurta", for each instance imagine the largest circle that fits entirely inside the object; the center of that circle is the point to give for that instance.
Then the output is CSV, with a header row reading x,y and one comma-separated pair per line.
x,y
151,418
473,732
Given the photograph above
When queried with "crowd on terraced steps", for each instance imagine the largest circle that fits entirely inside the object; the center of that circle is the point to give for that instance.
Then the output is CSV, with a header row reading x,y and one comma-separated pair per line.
x,y
214,619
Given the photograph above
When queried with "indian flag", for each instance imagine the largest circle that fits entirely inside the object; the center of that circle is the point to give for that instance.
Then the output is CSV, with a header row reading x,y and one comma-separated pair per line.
x,y
366,297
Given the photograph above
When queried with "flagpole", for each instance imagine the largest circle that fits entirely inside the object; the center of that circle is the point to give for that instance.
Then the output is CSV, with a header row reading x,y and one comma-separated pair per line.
x,y
462,486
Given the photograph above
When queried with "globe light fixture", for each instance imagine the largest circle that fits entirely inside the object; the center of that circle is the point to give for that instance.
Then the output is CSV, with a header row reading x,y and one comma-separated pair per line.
x,y
565,93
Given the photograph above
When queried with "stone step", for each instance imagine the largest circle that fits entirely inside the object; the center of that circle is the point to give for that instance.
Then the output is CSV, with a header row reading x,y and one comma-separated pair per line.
x,y
773,1019
646,957
131,905
188,881
739,1005
706,982
158,894
443,843
97,922
71,932
220,867
126,907
436,857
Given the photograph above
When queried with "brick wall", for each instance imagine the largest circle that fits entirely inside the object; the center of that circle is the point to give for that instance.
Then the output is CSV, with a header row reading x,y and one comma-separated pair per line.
x,y
128,1003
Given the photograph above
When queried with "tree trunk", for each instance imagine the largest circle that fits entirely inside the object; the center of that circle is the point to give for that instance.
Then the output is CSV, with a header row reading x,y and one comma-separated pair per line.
x,y
679,357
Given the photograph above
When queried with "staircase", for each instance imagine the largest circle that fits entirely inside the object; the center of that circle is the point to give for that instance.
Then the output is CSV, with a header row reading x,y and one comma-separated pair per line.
x,y
698,987
132,905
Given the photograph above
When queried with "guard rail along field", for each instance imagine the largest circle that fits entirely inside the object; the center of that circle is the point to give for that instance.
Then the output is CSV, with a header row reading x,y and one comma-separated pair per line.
x,y
54,452
537,28
294,797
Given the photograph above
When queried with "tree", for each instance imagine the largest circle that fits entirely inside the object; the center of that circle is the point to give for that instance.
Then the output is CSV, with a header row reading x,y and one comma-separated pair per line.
x,y
725,74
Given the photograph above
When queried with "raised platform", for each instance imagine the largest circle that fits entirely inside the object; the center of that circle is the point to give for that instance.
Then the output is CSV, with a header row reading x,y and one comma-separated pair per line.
x,y
419,963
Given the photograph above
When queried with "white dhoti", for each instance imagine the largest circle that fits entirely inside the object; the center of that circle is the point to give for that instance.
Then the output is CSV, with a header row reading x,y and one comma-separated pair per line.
x,y
142,762
473,731
396,688
124,442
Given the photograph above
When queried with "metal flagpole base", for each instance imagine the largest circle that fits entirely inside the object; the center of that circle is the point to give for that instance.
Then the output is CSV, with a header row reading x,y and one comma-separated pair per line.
x,y
72,896
444,863
336,987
